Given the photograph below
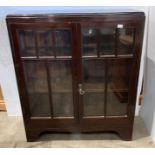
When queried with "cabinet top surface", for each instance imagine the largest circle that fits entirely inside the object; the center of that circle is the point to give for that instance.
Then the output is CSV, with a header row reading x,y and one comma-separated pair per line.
x,y
73,13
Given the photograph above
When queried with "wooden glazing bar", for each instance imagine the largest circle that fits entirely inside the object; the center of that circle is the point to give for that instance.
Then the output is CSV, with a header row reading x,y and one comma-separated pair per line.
x,y
36,44
105,91
49,87
116,41
98,43
54,43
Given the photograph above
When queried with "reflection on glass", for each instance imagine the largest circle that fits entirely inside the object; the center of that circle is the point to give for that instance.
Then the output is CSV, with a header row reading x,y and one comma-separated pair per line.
x,y
45,43
93,84
118,86
89,42
107,41
61,76
36,83
93,74
33,42
62,104
63,42
27,42
114,105
93,104
61,84
126,41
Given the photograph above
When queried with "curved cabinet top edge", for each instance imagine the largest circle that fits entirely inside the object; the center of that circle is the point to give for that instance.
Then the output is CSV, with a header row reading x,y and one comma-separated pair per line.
x,y
73,15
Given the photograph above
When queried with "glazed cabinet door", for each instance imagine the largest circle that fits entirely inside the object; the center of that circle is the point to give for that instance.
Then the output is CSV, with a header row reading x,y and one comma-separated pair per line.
x,y
107,54
45,59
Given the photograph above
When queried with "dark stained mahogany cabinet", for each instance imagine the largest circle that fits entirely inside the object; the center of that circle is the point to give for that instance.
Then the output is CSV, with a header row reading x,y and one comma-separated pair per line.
x,y
77,72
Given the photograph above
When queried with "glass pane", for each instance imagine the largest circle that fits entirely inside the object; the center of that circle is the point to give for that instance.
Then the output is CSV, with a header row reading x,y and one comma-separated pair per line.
x,y
93,85
62,104
107,41
118,86
33,42
115,107
125,41
61,84
45,43
27,42
93,75
93,104
61,76
89,42
36,82
63,43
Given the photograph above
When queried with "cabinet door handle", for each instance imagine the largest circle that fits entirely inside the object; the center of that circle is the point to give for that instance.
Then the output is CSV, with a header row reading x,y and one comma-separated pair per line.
x,y
81,91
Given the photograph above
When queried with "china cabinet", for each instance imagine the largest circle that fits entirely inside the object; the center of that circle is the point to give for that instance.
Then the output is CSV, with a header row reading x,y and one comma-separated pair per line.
x,y
77,72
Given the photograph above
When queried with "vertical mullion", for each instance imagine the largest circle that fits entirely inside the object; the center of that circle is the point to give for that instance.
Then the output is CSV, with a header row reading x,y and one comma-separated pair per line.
x,y
116,41
49,87
45,41
98,43
105,90
24,39
36,44
54,43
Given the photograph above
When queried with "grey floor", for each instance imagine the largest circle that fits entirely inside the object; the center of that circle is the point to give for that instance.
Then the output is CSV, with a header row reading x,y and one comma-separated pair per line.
x,y
12,135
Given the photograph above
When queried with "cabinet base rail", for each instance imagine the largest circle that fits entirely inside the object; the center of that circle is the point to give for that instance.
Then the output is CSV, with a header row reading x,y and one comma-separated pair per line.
x,y
34,135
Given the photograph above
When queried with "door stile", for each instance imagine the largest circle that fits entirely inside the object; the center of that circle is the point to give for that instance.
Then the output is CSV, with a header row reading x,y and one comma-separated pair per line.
x,y
19,74
79,70
75,70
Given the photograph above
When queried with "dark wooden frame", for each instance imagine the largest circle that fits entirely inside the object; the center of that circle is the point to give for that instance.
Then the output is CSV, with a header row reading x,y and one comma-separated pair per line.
x,y
121,125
